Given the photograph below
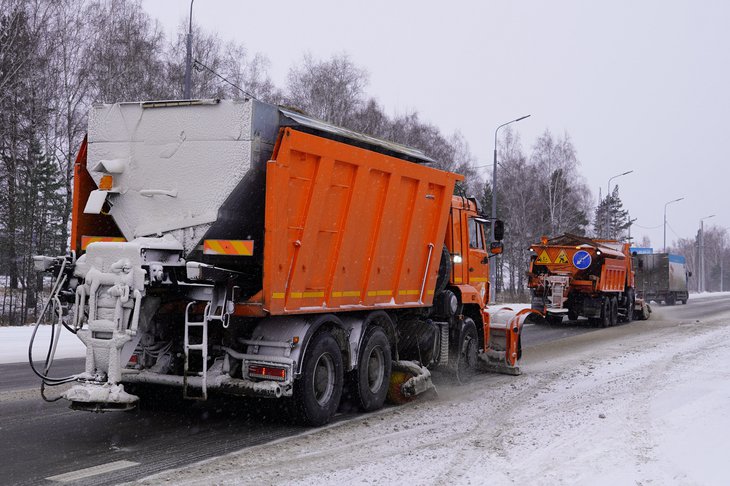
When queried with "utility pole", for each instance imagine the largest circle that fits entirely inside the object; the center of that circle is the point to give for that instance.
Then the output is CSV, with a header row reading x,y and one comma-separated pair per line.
x,y
493,266
701,284
189,56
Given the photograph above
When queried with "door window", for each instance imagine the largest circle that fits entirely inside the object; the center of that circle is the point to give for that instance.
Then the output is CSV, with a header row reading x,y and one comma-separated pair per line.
x,y
476,235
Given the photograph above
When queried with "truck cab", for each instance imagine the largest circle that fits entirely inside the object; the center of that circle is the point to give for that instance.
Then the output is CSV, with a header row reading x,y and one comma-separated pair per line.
x,y
466,240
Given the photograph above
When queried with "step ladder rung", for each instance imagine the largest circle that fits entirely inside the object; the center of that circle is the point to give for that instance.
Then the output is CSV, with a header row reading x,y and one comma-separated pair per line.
x,y
200,347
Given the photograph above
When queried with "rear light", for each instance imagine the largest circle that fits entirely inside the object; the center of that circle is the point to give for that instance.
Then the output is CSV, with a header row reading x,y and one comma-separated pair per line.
x,y
133,361
268,372
106,182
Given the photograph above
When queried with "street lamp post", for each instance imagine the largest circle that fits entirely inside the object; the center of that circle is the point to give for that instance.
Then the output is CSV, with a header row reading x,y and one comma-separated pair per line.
x,y
608,193
189,56
722,260
701,284
665,221
493,267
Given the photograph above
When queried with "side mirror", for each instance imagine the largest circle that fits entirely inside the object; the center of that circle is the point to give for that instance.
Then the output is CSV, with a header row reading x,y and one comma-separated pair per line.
x,y
498,230
496,247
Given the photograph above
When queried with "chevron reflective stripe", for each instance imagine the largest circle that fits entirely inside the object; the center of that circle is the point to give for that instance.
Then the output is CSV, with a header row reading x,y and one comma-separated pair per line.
x,y
228,247
87,240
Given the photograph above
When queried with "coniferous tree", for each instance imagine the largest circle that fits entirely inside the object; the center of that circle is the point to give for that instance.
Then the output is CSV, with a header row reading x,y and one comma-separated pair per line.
x,y
611,219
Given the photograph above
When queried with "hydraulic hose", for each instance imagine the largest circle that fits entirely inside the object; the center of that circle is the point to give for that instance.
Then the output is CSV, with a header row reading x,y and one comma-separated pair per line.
x,y
55,334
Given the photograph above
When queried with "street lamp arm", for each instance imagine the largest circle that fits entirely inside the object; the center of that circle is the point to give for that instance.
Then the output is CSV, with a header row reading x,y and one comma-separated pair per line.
x,y
190,27
665,220
504,125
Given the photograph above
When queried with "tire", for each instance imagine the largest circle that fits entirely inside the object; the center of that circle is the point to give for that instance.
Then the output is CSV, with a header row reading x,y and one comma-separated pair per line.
x,y
374,364
605,312
614,311
671,299
572,315
630,302
554,320
317,392
466,356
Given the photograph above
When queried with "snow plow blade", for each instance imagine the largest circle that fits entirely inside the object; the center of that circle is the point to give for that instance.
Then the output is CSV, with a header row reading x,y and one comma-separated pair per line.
x,y
503,345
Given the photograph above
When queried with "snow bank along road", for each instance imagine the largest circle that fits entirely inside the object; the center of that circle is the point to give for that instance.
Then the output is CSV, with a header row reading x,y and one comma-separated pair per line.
x,y
645,403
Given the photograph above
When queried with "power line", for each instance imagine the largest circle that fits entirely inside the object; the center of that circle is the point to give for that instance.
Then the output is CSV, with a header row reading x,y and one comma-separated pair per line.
x,y
672,229
648,227
197,64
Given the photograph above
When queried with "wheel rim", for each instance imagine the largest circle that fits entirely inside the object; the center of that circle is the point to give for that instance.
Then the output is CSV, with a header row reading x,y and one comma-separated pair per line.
x,y
323,384
376,369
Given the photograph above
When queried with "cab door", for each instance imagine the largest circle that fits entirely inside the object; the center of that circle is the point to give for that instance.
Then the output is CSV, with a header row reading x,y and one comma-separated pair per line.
x,y
478,259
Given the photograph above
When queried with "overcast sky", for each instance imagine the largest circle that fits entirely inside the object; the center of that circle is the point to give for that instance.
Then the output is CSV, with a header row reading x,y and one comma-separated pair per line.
x,y
638,85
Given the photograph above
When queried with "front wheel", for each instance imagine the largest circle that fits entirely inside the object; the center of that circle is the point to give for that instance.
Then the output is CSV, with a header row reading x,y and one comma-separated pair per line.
x,y
614,311
554,319
466,359
317,392
374,365
605,312
630,303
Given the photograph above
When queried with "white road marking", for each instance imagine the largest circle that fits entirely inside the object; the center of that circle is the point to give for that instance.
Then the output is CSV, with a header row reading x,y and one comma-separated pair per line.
x,y
92,471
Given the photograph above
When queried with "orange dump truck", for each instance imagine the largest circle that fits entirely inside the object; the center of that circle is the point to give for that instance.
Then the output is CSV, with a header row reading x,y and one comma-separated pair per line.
x,y
577,276
242,248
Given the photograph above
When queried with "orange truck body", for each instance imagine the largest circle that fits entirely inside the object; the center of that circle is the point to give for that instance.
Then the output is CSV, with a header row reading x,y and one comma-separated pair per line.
x,y
349,229
579,276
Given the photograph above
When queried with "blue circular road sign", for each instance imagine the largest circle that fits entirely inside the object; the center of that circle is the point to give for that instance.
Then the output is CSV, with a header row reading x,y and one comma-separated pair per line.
x,y
582,260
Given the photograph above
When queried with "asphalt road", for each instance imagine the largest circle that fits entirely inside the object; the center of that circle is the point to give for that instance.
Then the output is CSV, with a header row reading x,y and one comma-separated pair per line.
x,y
42,440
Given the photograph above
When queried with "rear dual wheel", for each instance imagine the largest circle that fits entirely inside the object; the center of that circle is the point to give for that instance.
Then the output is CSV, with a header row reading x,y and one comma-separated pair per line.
x,y
317,392
374,365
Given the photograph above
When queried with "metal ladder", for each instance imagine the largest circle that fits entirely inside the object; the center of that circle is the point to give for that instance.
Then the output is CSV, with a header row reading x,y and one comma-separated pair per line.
x,y
202,347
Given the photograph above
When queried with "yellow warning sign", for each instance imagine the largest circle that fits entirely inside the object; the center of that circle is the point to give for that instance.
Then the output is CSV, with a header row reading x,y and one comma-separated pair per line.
x,y
562,257
543,258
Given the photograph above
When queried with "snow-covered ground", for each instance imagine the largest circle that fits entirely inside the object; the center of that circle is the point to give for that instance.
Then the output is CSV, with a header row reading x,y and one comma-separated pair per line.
x,y
707,295
14,344
646,403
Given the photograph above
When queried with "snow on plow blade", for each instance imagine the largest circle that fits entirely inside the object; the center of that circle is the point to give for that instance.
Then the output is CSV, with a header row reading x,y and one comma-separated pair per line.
x,y
98,397
504,347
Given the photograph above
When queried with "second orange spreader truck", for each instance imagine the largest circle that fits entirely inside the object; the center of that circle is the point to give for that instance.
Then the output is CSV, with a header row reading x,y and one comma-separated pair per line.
x,y
242,248
578,276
